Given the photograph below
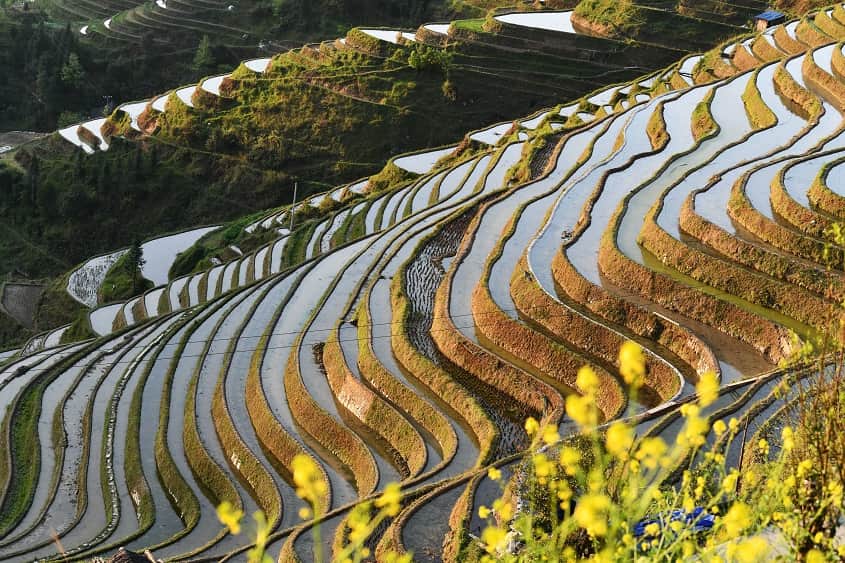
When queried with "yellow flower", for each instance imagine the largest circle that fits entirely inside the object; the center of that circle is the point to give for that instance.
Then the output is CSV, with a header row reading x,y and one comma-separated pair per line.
x,y
587,380
591,514
504,510
689,549
789,482
803,468
230,517
651,451
305,513
695,429
564,493
836,493
632,363
733,424
737,519
752,550
729,484
707,389
751,477
542,466
580,410
359,523
550,435
494,474
569,458
699,489
310,485
652,529
689,409
619,439
531,426
391,499
788,437
719,427
815,556
262,528
483,512
494,539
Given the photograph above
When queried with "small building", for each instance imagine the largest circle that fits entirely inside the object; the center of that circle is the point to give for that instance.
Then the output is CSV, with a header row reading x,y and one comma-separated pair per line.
x,y
768,19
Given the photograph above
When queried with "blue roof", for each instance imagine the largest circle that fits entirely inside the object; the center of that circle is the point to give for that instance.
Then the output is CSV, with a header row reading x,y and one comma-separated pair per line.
x,y
770,15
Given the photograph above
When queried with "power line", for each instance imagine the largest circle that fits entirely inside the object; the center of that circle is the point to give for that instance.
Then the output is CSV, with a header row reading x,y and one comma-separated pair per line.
x,y
100,363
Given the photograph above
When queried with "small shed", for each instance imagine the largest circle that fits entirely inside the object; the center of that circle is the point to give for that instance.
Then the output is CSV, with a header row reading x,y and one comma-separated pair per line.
x,y
768,19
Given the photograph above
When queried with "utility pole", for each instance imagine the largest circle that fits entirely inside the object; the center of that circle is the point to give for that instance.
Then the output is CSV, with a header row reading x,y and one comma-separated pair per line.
x,y
742,454
293,206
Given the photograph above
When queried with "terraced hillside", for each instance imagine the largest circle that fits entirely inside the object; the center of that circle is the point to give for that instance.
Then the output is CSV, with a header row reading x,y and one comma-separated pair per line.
x,y
406,331
74,56
236,142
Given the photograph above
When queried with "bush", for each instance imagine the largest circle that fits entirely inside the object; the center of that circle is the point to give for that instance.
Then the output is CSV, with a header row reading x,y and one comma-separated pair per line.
x,y
423,57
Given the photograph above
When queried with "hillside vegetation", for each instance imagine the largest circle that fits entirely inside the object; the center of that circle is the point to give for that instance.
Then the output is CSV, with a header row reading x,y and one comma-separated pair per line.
x,y
319,117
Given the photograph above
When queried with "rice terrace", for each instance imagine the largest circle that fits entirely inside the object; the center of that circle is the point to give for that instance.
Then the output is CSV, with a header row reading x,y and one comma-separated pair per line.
x,y
416,280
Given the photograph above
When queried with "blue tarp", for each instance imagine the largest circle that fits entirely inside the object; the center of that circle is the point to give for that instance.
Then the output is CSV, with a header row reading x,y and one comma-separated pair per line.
x,y
770,16
697,518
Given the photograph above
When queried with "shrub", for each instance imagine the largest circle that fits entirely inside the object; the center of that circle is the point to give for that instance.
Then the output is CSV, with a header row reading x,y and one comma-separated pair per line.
x,y
423,57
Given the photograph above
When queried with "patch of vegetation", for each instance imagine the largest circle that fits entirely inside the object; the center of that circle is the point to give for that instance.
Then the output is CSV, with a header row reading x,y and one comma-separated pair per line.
x,y
759,114
124,279
673,26
656,129
56,307
80,329
475,25
214,247
621,17
297,246
23,450
12,334
703,123
799,7
134,191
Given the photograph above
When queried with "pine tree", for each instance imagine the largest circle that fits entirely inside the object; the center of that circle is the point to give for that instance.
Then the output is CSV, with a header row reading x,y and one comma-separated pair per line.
x,y
135,262
32,178
72,73
204,57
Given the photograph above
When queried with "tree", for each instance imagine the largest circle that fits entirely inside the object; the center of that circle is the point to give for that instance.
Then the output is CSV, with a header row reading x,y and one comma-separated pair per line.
x,y
32,178
204,57
422,58
135,262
